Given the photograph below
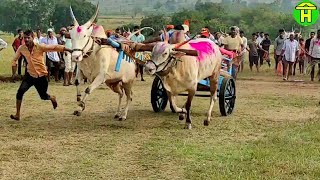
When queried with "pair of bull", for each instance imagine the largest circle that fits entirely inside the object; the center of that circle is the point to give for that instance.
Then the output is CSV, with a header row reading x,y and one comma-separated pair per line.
x,y
178,71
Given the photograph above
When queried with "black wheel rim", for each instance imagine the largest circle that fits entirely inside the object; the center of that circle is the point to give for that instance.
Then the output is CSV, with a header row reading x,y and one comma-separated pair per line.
x,y
229,97
160,94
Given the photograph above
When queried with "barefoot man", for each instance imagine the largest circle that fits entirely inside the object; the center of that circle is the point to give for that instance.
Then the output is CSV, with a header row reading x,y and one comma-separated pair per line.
x,y
36,70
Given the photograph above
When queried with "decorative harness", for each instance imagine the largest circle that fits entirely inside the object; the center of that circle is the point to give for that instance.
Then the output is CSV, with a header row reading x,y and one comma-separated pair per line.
x,y
88,53
165,71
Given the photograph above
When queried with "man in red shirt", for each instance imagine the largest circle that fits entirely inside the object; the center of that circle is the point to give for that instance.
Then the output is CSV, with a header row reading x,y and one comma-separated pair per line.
x,y
19,41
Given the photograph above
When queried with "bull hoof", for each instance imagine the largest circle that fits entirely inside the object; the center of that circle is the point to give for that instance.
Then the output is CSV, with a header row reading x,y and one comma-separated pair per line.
x,y
82,105
206,122
188,126
181,117
78,99
77,113
122,119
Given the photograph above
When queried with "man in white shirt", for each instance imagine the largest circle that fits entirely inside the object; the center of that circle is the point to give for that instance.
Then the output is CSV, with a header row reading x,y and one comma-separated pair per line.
x,y
3,44
314,51
38,38
261,53
289,54
52,57
245,44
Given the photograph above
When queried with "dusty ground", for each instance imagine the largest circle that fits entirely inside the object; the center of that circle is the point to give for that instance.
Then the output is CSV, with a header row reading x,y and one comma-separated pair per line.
x,y
273,133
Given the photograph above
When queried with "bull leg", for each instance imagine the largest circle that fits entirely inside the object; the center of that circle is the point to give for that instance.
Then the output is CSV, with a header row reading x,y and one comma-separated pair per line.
x,y
78,79
191,94
128,92
117,89
213,98
174,106
97,81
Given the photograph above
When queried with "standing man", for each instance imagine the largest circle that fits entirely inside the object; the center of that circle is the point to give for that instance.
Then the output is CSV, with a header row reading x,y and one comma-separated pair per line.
x,y
278,45
314,52
235,44
52,57
245,44
36,70
265,44
307,47
261,53
19,41
253,52
138,38
69,65
289,54
38,38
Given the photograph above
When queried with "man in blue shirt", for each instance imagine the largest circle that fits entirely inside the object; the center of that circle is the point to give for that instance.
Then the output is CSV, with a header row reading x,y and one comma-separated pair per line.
x,y
138,38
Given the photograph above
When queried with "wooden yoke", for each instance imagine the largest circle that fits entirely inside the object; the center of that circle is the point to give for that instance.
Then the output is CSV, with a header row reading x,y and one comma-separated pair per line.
x,y
149,47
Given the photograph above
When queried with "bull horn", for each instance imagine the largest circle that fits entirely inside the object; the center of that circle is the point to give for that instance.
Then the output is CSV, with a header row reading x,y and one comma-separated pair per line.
x,y
129,30
89,23
220,30
123,29
166,38
134,33
300,31
75,22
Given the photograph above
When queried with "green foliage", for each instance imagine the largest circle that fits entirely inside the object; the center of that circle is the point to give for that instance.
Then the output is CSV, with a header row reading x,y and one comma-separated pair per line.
x,y
220,16
33,14
156,22
82,9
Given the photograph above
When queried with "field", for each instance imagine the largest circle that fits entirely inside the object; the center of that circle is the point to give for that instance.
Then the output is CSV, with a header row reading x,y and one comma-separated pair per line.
x,y
112,22
273,134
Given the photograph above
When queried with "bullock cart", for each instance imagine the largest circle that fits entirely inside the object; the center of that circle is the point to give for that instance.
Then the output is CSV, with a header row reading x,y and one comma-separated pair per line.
x,y
226,91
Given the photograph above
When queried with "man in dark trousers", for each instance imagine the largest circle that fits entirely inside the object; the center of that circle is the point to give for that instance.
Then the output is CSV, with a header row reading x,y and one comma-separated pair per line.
x,y
265,44
307,46
19,41
36,70
314,52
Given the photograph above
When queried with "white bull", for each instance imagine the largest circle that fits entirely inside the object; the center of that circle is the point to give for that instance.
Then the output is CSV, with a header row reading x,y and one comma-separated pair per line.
x,y
182,73
97,64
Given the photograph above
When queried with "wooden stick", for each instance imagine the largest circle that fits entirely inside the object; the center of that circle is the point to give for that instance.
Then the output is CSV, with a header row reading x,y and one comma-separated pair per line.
x,y
188,52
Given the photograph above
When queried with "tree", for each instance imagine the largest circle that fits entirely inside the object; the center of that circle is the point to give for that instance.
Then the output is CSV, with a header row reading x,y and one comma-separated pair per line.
x,y
156,22
39,13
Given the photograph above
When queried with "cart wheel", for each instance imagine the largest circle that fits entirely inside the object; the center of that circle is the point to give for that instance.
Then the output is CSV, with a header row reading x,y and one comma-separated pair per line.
x,y
227,96
159,97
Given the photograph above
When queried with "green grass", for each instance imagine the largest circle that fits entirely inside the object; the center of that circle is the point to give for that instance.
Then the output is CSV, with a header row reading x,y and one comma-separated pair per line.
x,y
272,134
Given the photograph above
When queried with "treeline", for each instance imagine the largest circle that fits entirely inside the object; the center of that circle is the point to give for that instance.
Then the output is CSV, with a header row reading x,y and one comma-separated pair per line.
x,y
220,16
34,14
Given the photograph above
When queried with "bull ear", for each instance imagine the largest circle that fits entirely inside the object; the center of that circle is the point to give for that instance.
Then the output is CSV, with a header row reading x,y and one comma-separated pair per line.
x,y
177,54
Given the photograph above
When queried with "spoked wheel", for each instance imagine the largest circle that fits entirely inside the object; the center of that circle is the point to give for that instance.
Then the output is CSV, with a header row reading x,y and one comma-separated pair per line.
x,y
227,96
159,97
